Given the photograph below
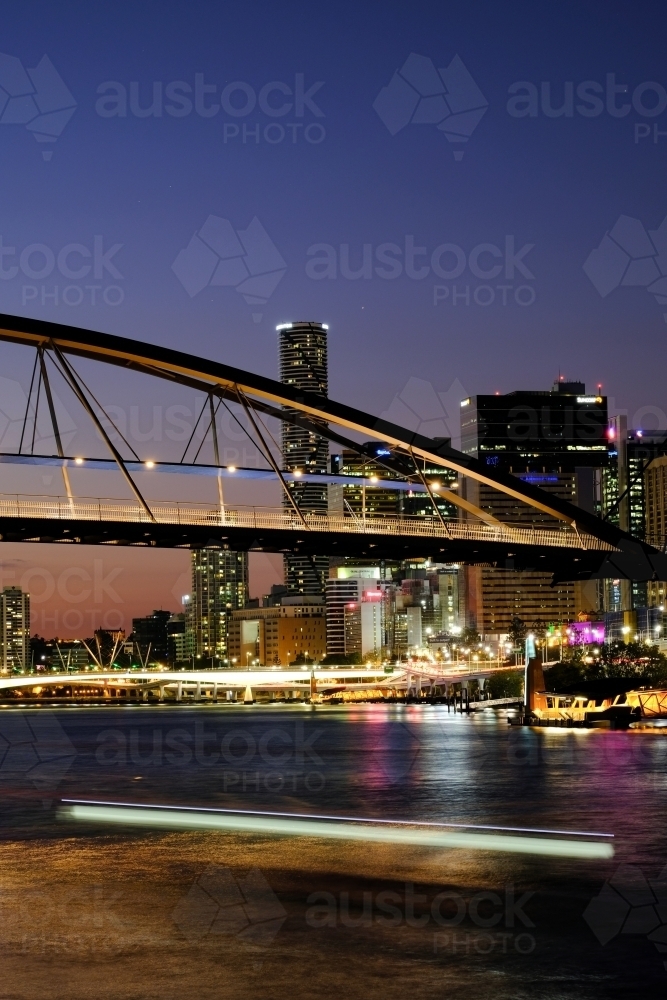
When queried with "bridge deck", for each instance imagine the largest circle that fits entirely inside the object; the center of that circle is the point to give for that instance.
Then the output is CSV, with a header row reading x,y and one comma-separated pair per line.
x,y
62,509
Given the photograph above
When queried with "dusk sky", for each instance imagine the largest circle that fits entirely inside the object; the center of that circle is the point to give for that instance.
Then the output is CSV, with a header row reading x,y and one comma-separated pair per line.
x,y
529,246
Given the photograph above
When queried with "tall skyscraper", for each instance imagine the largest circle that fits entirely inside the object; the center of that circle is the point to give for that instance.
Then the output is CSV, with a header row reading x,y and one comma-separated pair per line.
x,y
15,629
556,439
219,586
304,365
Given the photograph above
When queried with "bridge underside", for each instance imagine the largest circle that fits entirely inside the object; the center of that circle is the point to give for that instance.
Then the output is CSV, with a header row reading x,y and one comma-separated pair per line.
x,y
565,563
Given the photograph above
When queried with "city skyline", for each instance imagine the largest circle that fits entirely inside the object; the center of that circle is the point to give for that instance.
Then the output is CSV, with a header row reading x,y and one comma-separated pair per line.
x,y
98,574
333,499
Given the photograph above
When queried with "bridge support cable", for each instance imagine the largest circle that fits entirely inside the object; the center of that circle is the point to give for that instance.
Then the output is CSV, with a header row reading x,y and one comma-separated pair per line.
x,y
54,423
209,428
34,423
194,429
99,406
299,419
352,514
216,453
81,396
427,487
28,401
270,459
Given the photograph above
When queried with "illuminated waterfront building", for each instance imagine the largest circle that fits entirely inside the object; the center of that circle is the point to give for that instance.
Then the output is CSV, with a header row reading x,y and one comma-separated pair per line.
x,y
219,586
15,625
276,635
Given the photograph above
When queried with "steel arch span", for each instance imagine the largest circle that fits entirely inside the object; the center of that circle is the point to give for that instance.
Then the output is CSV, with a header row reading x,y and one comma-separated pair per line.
x,y
594,548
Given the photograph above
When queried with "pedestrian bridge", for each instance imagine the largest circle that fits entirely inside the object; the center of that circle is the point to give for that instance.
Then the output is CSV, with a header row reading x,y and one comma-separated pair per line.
x,y
113,522
554,535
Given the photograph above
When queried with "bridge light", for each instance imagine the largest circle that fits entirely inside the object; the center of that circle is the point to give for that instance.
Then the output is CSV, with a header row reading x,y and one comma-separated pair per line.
x,y
231,468
435,486
78,461
297,473
374,479
149,464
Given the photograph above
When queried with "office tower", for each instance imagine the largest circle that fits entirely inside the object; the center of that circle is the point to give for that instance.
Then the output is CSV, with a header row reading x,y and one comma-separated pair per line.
x,y
631,498
345,587
15,625
278,634
219,586
304,365
356,611
556,440
151,633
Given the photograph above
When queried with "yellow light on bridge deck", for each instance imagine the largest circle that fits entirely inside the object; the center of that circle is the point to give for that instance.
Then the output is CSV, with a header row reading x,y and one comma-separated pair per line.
x,y
374,479
435,486
78,461
149,465
297,473
231,468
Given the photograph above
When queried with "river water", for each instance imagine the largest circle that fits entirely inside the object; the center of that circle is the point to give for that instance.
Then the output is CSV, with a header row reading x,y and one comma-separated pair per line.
x,y
120,913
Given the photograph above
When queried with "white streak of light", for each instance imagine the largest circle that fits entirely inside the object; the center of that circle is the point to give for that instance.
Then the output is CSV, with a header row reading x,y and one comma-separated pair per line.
x,y
182,820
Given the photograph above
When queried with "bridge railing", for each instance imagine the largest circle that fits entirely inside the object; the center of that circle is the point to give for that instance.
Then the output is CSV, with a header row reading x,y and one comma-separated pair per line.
x,y
189,514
